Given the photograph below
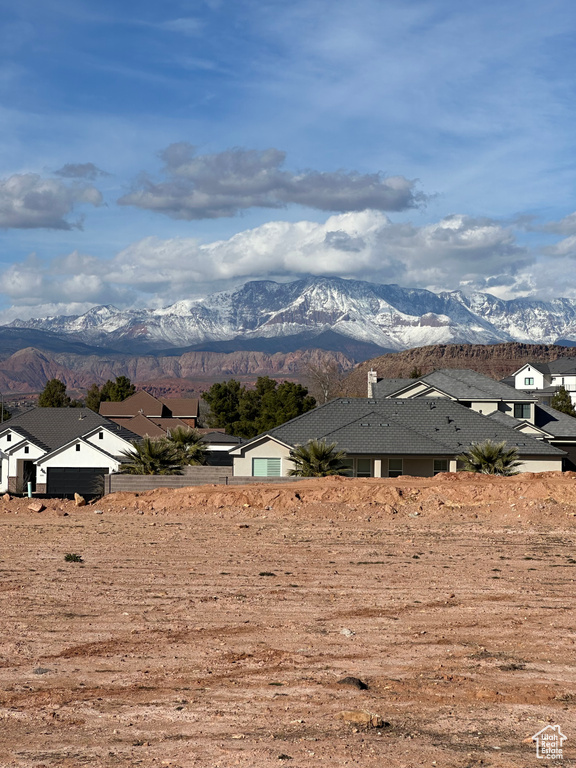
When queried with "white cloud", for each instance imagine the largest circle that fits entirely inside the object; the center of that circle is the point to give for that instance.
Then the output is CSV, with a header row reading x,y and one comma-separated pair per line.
x,y
28,201
455,252
222,184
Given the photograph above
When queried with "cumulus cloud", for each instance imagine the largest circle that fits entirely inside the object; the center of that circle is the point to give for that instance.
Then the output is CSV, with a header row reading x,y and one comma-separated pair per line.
x,y
456,252
80,171
566,226
223,184
28,201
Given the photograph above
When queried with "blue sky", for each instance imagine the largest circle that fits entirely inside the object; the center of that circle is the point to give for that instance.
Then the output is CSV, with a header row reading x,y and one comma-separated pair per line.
x,y
153,152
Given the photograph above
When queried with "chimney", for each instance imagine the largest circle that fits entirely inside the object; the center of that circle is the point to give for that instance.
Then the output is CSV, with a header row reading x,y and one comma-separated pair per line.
x,y
372,379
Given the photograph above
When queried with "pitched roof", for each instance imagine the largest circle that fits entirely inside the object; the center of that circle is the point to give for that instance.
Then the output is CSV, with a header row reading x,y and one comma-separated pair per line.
x,y
555,422
182,407
540,367
400,426
142,426
140,401
387,387
563,365
49,428
459,383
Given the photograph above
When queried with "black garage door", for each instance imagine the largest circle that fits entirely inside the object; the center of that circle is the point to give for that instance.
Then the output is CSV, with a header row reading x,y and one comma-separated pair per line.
x,y
85,481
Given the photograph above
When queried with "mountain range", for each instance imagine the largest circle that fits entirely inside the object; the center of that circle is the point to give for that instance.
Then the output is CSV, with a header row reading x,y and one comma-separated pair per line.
x,y
265,315
267,327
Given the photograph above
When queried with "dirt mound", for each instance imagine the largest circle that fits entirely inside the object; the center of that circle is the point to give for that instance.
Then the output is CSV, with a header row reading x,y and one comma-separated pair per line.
x,y
436,495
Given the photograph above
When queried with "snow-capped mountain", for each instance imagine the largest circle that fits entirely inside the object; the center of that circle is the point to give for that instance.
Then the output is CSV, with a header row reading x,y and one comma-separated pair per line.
x,y
386,315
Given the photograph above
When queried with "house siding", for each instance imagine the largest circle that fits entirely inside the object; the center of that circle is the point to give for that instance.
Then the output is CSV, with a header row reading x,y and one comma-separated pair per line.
x,y
268,449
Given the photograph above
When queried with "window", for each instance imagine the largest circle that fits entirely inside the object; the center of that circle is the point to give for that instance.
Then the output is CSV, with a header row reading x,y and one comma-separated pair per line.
x,y
349,466
521,410
266,467
440,465
529,381
358,467
77,446
26,449
394,467
100,435
9,437
363,467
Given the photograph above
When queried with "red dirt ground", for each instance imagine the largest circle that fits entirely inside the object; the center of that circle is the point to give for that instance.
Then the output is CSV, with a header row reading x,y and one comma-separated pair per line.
x,y
210,626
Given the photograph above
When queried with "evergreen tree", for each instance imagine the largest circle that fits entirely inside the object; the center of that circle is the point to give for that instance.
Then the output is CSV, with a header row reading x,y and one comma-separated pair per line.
x,y
54,395
248,412
93,398
562,402
110,391
5,415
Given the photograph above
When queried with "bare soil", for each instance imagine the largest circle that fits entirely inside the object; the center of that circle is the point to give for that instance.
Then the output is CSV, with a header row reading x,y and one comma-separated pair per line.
x,y
210,626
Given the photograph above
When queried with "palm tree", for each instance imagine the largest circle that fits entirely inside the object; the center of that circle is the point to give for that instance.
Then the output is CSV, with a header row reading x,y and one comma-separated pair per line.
x,y
317,459
490,458
187,444
151,457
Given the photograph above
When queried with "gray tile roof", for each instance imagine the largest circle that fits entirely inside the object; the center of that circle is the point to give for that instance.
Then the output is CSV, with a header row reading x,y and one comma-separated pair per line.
x,y
465,384
541,367
562,365
459,383
403,426
387,387
558,424
50,428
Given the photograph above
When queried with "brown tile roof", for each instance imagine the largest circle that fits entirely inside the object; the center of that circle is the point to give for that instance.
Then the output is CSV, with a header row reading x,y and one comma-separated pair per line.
x,y
182,407
140,401
142,426
146,426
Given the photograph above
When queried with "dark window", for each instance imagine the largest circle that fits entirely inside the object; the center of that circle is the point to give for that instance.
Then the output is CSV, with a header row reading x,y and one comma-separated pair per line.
x,y
440,465
77,446
363,467
395,467
521,410
26,449
100,435
8,438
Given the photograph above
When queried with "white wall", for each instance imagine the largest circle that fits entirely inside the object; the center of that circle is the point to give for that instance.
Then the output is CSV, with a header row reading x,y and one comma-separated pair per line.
x,y
540,381
110,442
568,382
87,456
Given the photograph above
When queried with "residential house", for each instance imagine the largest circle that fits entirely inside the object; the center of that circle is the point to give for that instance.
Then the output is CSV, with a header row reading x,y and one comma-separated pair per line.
x,y
517,409
470,388
149,416
60,451
543,380
389,437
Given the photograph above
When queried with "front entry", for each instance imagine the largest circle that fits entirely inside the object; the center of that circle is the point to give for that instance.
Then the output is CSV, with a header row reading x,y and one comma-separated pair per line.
x,y
28,476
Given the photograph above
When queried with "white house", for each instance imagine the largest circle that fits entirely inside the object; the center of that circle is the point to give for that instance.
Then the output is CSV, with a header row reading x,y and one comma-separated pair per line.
x,y
60,451
544,379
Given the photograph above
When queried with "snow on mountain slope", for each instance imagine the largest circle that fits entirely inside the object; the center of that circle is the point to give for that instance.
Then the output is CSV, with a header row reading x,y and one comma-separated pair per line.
x,y
387,315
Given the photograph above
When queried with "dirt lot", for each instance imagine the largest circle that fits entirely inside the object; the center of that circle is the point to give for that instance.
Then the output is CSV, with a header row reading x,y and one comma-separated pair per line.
x,y
211,626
